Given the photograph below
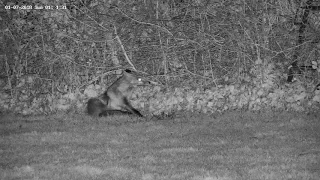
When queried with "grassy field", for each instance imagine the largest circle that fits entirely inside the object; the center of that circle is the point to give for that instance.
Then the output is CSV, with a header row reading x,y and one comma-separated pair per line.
x,y
232,146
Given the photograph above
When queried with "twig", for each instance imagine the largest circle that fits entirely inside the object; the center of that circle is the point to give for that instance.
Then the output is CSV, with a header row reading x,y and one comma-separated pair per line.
x,y
123,50
140,22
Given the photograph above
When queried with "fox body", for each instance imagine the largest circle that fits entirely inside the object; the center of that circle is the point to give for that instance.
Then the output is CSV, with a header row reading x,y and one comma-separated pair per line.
x,y
115,98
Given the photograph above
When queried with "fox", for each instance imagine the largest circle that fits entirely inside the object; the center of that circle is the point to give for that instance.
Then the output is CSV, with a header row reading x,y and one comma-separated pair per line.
x,y
115,98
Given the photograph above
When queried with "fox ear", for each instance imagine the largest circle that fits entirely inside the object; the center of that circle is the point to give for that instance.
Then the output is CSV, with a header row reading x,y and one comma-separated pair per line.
x,y
127,71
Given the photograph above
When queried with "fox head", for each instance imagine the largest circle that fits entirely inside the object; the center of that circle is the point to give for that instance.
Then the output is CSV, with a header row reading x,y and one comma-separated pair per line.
x,y
131,78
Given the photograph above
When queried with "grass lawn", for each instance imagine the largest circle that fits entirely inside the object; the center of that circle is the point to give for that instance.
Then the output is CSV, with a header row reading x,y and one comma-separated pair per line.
x,y
232,146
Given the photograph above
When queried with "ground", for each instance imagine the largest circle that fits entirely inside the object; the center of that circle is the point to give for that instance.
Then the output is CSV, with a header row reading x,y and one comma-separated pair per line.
x,y
229,146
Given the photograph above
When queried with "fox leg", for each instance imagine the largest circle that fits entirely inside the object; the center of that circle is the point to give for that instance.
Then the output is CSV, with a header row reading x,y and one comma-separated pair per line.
x,y
131,109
